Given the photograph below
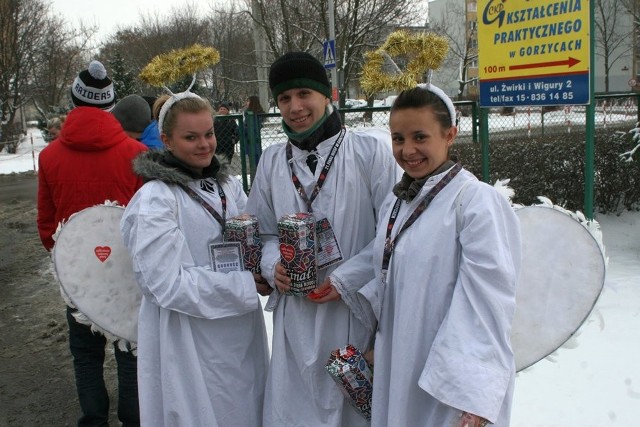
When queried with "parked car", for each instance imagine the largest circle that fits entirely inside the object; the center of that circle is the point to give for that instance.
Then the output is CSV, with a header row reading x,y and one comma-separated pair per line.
x,y
355,103
388,101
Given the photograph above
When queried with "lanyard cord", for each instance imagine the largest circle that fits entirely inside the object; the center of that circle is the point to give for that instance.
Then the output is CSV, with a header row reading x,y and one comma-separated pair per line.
x,y
323,174
223,199
389,244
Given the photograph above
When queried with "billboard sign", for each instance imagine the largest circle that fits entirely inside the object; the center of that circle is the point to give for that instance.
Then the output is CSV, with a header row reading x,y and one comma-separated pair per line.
x,y
533,52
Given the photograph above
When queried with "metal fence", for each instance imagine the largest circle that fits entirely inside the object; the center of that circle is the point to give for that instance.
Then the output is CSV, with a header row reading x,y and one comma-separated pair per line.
x,y
618,112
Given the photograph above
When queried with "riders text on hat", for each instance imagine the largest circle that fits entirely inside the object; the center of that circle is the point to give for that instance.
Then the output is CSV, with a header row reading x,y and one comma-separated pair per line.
x,y
92,88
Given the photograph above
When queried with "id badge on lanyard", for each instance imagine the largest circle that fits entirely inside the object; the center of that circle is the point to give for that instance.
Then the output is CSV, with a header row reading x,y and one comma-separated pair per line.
x,y
328,250
226,257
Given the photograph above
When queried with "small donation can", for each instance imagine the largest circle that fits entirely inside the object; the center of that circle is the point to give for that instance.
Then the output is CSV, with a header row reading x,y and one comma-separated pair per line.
x,y
297,233
351,371
244,229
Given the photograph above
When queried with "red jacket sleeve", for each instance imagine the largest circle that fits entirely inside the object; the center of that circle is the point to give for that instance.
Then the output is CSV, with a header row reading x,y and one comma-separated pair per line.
x,y
46,211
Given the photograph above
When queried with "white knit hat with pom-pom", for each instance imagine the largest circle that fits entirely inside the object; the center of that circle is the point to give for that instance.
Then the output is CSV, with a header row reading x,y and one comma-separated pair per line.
x,y
92,88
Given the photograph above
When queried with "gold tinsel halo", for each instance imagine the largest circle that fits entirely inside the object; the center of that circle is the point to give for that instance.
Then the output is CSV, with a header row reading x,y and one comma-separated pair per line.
x,y
172,66
424,51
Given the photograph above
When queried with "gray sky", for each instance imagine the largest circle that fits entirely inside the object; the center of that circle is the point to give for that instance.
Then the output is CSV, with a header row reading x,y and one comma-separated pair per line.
x,y
109,14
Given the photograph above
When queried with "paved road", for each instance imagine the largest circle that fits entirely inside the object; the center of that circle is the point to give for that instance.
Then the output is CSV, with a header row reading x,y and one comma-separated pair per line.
x,y
17,187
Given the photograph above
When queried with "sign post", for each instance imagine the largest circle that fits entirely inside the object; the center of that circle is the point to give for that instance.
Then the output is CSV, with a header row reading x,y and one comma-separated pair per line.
x,y
538,53
330,52
590,116
329,55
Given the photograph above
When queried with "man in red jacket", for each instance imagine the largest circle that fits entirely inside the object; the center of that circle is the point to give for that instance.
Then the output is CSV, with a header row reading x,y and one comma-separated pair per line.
x,y
88,163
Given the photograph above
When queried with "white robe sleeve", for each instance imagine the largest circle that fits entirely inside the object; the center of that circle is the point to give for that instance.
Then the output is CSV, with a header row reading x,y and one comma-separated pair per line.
x,y
380,170
238,194
471,362
260,204
165,268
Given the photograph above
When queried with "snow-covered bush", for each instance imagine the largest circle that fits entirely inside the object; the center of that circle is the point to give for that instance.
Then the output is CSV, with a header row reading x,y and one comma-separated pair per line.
x,y
553,166
628,155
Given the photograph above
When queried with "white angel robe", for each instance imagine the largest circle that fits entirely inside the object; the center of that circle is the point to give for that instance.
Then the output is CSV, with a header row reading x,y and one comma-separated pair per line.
x,y
445,312
202,345
299,390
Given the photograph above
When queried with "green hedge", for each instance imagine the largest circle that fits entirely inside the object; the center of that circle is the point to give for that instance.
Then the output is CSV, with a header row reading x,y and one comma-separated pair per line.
x,y
553,166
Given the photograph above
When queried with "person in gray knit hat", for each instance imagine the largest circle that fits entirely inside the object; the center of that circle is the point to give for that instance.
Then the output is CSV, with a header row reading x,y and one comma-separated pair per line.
x,y
134,115
341,176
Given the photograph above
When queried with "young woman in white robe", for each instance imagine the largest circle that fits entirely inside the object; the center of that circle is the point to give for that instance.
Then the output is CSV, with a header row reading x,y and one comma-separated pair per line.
x,y
202,347
445,297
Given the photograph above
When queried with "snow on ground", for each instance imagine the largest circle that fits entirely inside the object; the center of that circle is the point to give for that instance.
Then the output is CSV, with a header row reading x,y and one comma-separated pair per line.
x,y
26,157
591,381
594,379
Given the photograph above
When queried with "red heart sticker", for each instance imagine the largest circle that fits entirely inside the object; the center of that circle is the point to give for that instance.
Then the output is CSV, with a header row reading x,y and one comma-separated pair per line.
x,y
102,252
288,252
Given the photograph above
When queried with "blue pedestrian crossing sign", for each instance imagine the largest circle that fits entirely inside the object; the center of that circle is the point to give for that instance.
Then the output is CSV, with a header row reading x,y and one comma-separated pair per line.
x,y
329,48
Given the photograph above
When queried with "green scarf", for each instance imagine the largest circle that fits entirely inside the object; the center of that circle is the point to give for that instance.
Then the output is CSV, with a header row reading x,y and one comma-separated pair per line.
x,y
329,125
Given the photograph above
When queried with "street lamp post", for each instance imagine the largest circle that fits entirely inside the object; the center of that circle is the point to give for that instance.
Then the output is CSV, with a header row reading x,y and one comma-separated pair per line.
x,y
259,40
